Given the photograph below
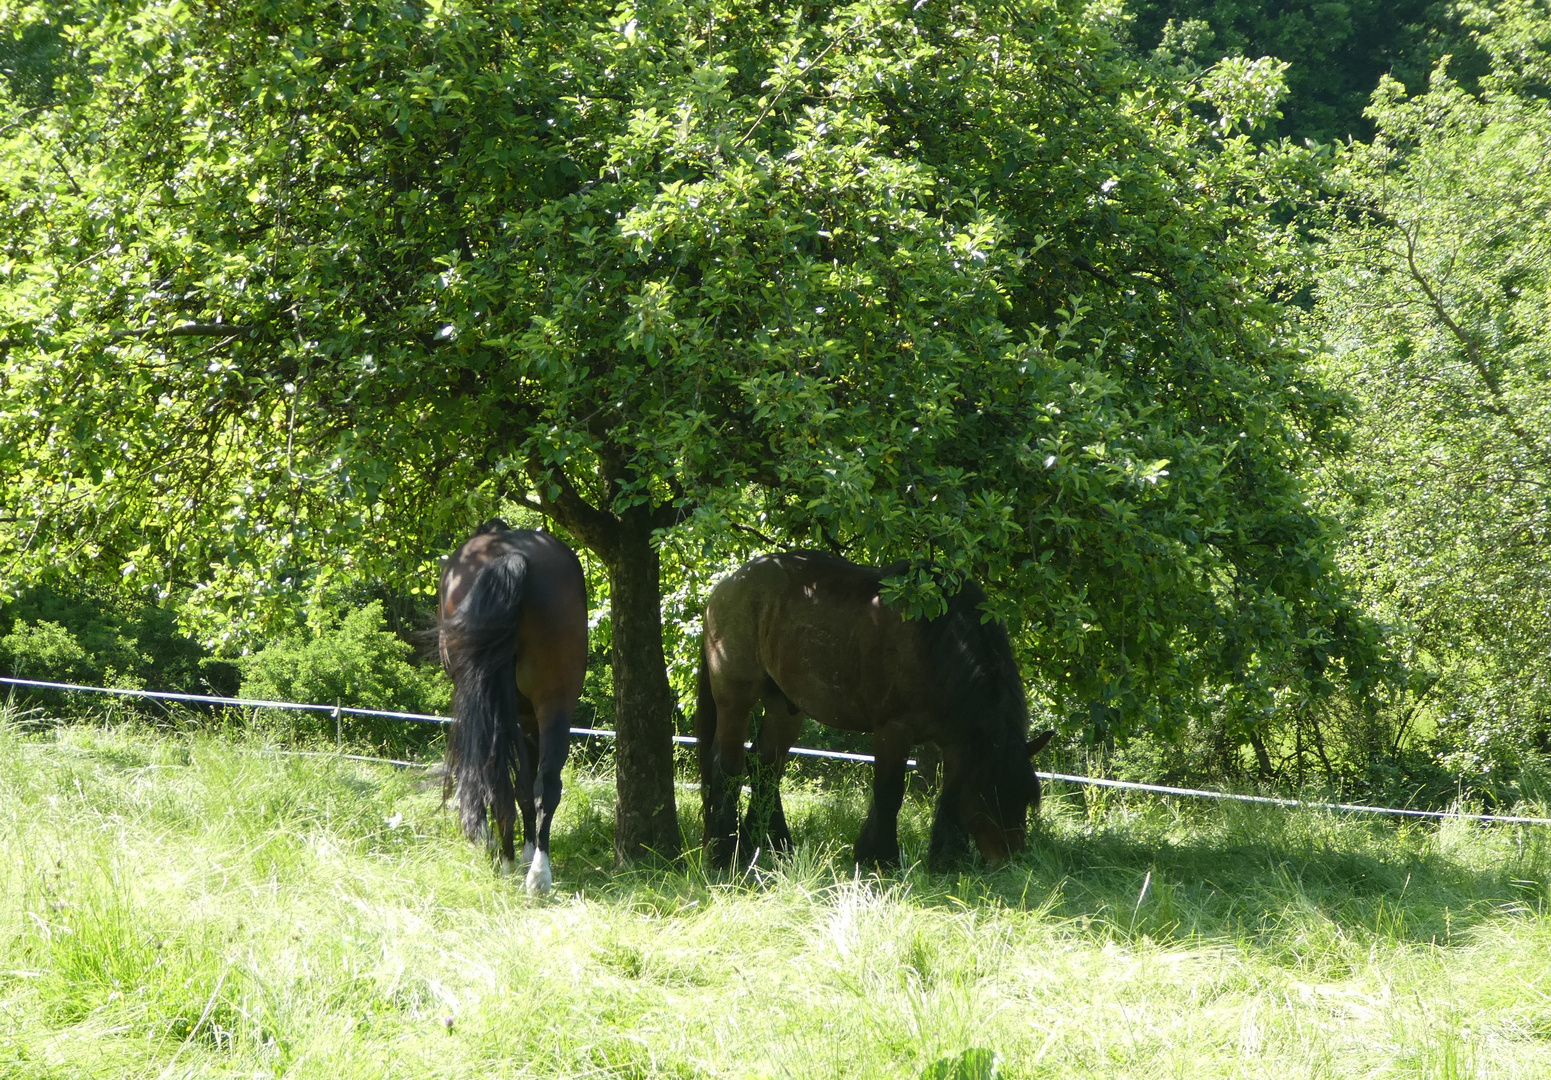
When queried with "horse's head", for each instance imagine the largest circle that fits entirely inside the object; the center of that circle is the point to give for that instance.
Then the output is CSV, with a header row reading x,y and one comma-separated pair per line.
x,y
996,811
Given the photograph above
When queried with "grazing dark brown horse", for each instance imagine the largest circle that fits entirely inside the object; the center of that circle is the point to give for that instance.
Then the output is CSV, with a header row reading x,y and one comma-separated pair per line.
x,y
808,633
512,633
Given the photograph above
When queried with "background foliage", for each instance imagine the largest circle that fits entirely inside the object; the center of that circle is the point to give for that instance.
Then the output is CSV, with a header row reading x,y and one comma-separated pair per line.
x,y
1435,301
1335,52
352,661
103,637
291,297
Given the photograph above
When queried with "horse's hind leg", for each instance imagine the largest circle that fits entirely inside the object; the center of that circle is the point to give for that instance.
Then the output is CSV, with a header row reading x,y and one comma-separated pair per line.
x,y
504,811
554,746
878,842
764,825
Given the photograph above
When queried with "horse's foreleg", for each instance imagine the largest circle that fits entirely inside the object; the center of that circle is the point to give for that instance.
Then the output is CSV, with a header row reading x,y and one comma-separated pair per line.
x,y
949,837
878,842
722,781
764,823
554,746
722,767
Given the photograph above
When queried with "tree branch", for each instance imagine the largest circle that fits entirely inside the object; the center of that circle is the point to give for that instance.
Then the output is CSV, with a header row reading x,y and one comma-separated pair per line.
x,y
60,161
1435,301
1497,406
185,330
596,528
769,541
1088,268
774,98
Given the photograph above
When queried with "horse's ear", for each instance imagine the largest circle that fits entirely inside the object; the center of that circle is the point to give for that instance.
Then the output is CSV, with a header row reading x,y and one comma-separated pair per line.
x,y
493,525
1038,742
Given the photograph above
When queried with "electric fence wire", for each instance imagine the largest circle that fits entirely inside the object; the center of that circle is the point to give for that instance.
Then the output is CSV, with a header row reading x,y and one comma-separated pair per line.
x,y
838,755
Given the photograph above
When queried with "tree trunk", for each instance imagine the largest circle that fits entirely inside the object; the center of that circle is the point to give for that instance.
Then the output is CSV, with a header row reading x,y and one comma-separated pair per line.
x,y
646,818
927,776
1262,759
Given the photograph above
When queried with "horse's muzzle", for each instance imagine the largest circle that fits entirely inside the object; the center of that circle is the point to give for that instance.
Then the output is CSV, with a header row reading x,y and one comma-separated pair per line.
x,y
996,844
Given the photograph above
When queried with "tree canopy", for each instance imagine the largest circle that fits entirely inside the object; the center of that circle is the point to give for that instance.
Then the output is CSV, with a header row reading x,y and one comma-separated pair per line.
x,y
300,292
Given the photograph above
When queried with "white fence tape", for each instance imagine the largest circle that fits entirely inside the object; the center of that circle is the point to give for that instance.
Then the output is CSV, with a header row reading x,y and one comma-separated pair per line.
x,y
836,755
1347,808
210,699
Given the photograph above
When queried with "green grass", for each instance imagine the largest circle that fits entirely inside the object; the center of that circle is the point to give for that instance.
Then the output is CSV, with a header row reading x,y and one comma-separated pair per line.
x,y
193,905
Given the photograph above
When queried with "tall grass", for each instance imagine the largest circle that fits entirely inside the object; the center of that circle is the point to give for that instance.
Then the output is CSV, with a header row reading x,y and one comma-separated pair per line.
x,y
191,905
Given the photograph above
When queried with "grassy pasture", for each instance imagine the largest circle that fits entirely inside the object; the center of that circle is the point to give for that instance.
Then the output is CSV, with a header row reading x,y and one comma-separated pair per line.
x,y
193,905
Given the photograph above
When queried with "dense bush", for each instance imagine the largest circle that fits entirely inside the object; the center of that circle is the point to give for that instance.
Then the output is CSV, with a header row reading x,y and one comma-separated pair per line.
x,y
97,637
350,661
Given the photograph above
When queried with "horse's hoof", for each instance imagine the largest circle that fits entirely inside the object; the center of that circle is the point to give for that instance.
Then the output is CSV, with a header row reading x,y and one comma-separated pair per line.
x,y
539,877
749,851
504,867
527,857
877,861
944,864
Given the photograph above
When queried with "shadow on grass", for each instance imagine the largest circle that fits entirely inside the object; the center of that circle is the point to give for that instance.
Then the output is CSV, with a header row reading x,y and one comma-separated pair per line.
x,y
1303,888
1298,893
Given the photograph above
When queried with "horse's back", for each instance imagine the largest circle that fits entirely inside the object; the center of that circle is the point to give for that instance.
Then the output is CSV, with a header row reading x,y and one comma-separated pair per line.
x,y
816,625
813,574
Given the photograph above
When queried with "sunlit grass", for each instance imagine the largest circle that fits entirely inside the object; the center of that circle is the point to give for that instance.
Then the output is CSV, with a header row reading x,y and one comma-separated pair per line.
x,y
192,905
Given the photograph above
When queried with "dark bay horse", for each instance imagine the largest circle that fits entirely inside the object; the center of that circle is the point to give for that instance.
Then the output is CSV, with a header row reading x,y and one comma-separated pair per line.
x,y
809,634
512,633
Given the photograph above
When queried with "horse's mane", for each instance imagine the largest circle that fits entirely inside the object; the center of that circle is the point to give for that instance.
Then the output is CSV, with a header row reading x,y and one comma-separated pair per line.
x,y
978,678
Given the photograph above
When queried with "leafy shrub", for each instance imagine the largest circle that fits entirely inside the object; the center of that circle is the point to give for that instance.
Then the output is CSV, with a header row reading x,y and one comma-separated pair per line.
x,y
46,650
351,661
97,637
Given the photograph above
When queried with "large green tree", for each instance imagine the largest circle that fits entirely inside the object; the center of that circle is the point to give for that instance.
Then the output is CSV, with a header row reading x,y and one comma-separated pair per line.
x,y
303,290
1438,306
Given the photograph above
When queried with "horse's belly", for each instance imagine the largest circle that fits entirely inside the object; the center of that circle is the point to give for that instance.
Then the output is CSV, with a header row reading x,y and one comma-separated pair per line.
x,y
844,688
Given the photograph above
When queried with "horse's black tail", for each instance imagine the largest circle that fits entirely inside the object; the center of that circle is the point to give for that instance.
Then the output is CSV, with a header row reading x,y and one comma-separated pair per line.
x,y
705,736
479,650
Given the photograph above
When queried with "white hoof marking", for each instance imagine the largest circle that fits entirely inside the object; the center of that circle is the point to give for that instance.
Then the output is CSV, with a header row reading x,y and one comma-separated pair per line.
x,y
504,867
539,877
527,856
